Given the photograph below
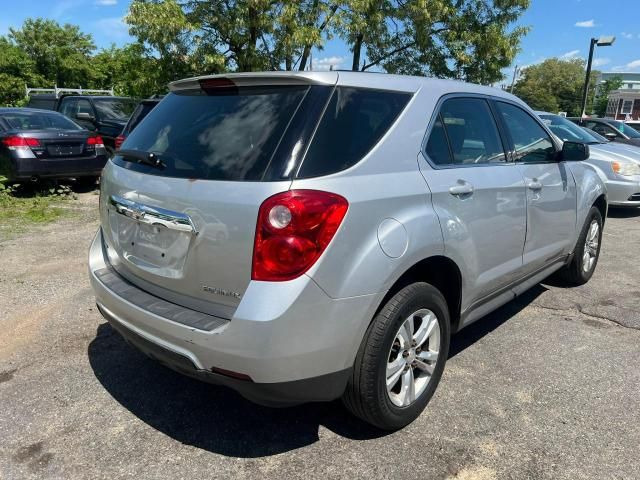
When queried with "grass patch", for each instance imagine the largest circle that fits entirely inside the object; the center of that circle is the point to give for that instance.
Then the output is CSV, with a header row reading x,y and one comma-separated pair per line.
x,y
22,206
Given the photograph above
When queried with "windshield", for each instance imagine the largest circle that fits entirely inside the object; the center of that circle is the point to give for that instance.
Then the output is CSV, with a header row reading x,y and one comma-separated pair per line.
x,y
566,130
626,129
596,135
115,108
21,120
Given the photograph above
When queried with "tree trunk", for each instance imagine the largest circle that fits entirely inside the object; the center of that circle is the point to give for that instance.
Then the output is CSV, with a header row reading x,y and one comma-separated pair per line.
x,y
304,58
357,48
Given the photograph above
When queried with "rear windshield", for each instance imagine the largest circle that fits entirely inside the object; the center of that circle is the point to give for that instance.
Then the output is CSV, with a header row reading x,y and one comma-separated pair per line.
x,y
38,121
115,108
227,135
259,133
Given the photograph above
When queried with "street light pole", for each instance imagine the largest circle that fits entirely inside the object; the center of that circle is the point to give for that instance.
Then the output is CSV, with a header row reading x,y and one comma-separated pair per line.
x,y
585,91
601,42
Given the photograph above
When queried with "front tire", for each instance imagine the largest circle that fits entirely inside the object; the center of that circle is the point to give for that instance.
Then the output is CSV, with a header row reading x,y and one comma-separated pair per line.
x,y
401,358
587,251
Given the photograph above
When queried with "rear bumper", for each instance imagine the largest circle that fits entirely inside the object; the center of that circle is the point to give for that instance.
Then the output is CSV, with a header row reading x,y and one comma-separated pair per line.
x,y
27,168
294,342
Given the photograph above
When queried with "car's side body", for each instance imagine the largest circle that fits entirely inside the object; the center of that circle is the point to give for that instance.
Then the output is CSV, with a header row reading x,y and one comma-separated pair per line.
x,y
297,340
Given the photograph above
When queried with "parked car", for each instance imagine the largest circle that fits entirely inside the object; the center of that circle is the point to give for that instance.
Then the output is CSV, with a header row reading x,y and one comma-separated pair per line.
x,y
635,124
104,115
613,130
617,164
368,216
43,101
37,144
141,111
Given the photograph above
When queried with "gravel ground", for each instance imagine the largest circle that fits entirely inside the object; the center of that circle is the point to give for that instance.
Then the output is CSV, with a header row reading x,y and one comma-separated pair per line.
x,y
546,387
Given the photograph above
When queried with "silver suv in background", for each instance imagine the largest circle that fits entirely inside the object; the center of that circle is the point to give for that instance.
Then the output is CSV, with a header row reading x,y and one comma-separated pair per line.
x,y
367,217
617,164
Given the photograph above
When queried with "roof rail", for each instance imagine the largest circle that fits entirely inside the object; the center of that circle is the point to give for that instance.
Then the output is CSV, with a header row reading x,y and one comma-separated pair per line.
x,y
60,91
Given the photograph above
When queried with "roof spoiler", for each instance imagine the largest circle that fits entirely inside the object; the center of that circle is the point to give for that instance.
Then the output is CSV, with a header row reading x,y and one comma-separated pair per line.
x,y
251,79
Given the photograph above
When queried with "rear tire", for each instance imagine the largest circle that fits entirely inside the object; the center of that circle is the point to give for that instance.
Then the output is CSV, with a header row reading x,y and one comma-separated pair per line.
x,y
87,182
418,310
586,252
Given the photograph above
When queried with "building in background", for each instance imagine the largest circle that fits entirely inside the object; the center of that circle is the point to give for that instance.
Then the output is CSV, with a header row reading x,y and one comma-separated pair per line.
x,y
624,103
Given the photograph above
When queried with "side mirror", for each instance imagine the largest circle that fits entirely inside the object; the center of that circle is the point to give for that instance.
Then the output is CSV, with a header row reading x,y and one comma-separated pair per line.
x,y
575,151
610,136
85,116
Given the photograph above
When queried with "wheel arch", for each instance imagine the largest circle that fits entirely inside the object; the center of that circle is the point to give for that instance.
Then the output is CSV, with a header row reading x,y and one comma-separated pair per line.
x,y
601,204
439,271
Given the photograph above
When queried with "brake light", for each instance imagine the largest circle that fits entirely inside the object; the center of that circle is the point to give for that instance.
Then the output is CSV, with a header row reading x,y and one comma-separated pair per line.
x,y
293,230
119,141
20,142
95,141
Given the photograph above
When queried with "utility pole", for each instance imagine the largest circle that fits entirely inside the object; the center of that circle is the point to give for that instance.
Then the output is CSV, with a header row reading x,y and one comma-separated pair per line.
x,y
513,81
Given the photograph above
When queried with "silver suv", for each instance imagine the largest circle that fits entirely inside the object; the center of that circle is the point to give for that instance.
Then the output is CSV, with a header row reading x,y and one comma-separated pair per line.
x,y
309,236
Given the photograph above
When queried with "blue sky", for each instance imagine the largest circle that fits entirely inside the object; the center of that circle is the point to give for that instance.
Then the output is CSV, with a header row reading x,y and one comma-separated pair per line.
x,y
559,28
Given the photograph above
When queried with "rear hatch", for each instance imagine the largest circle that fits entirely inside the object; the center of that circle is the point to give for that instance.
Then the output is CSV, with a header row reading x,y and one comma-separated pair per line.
x,y
184,231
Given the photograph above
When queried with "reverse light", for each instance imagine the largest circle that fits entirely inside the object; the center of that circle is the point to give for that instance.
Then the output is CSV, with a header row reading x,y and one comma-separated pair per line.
x,y
293,230
626,169
119,141
15,142
95,141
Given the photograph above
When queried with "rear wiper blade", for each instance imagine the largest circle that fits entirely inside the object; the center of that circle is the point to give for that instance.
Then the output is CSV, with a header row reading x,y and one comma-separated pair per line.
x,y
146,158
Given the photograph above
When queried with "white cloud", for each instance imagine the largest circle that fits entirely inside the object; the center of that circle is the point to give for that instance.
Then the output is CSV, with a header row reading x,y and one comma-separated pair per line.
x,y
106,3
63,6
571,54
600,62
327,62
586,24
626,35
633,65
113,28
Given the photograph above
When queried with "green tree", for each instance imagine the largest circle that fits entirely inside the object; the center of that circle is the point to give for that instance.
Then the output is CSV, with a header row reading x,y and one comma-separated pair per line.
x,y
61,54
555,85
602,94
16,71
471,40
170,40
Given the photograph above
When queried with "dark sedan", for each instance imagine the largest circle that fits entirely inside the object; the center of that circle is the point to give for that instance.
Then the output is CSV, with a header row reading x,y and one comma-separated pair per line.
x,y
613,130
37,144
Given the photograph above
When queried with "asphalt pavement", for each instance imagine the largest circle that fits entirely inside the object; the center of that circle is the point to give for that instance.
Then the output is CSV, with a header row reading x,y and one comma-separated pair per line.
x,y
547,387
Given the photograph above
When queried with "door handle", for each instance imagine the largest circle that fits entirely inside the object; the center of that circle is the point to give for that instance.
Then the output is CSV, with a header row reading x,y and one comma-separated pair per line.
x,y
461,190
534,185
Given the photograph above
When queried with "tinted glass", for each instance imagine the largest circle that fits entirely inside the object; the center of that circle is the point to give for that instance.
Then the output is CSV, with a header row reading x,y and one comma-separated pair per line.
x,y
41,101
231,134
141,111
531,142
38,121
353,123
471,131
602,128
438,146
115,108
566,130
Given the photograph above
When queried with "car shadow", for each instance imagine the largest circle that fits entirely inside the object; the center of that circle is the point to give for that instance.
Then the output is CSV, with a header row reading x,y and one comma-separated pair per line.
x,y
219,420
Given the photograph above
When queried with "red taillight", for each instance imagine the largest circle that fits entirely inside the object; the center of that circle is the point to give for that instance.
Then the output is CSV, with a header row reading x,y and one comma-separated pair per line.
x,y
119,141
21,142
293,230
96,141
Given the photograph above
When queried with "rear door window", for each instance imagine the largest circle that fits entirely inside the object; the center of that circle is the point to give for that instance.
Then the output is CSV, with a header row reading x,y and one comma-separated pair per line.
x,y
222,134
354,121
465,133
